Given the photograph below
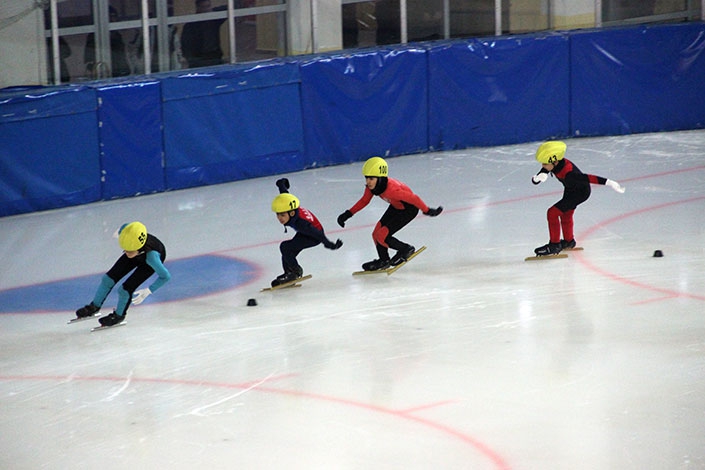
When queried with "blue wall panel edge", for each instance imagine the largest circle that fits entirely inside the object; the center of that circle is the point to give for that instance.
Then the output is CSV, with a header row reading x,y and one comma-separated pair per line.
x,y
131,149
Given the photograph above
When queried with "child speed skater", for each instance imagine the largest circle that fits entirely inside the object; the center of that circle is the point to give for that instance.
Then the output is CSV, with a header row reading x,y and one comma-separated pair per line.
x,y
309,232
143,255
576,191
404,206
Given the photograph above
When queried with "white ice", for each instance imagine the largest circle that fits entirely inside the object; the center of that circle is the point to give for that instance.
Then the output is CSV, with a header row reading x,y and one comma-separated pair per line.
x,y
466,358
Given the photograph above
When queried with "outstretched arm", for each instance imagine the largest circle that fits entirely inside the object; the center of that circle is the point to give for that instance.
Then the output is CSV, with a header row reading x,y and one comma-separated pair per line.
x,y
305,227
357,207
594,179
155,262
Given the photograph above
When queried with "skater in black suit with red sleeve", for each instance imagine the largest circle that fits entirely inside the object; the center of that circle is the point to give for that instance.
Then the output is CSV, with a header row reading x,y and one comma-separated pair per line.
x,y
576,191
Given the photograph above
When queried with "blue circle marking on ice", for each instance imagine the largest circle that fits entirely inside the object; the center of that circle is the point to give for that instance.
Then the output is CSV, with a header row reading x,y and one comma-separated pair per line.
x,y
190,277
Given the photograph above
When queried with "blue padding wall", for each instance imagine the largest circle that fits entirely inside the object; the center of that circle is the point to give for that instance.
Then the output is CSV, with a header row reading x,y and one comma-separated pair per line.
x,y
643,79
69,145
48,149
232,123
365,103
498,91
131,139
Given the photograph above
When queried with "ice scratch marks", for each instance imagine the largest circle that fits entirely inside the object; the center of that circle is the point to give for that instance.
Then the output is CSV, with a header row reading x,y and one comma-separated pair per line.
x,y
122,388
203,410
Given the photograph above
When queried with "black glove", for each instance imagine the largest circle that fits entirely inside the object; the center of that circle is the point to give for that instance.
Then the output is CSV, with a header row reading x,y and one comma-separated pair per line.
x,y
343,217
283,185
334,246
431,212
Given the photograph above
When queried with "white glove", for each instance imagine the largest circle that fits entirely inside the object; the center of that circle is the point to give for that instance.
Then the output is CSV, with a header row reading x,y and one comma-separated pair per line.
x,y
614,185
539,178
140,295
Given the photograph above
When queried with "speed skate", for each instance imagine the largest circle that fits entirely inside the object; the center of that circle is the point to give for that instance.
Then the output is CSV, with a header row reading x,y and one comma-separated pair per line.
x,y
107,327
80,319
391,269
294,283
555,256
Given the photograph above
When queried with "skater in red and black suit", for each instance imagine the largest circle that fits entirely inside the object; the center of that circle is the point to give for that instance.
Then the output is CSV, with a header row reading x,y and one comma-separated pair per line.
x,y
309,232
404,206
576,191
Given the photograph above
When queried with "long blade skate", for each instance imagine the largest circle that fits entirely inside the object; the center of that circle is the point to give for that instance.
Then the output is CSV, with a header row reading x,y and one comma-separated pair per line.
x,y
545,257
392,269
107,327
78,320
558,255
294,283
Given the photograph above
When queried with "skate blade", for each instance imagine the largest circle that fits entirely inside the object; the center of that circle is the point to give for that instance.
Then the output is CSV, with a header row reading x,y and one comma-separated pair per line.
x,y
101,327
294,283
79,320
390,269
545,257
411,256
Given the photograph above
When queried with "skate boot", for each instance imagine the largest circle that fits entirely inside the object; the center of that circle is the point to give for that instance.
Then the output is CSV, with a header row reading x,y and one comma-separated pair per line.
x,y
550,249
112,319
376,265
288,276
567,244
87,311
402,255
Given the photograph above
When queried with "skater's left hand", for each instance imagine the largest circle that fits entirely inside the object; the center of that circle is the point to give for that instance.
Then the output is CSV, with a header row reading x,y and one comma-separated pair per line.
x,y
344,217
539,177
283,185
140,295
431,212
334,246
616,186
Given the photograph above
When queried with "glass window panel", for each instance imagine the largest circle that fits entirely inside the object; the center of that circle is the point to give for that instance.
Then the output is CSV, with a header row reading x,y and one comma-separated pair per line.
x,y
615,10
203,42
359,25
388,22
525,16
620,10
472,18
259,37
424,20
371,23
70,58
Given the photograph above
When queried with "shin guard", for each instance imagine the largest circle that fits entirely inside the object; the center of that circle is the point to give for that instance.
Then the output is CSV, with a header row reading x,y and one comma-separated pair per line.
x,y
554,224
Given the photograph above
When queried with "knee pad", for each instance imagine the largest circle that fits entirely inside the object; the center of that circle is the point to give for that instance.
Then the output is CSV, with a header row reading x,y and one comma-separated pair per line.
x,y
380,234
553,213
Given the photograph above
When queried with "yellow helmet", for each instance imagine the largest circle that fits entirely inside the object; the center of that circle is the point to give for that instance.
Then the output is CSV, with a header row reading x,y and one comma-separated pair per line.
x,y
132,236
375,166
551,151
285,202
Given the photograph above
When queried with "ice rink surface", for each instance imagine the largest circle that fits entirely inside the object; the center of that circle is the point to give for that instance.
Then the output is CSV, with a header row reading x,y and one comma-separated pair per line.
x,y
466,358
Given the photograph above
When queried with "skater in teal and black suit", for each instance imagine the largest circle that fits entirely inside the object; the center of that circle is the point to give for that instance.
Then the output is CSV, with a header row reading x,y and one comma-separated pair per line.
x,y
143,255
